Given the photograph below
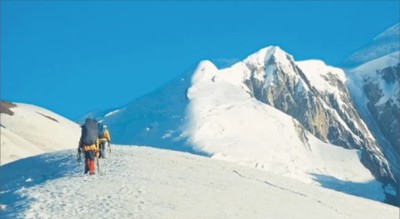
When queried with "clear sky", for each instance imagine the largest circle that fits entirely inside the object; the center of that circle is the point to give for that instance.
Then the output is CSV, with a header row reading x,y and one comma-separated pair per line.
x,y
73,57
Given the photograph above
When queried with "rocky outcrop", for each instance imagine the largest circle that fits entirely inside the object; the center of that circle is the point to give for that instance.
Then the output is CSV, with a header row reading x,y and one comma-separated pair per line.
x,y
327,113
5,107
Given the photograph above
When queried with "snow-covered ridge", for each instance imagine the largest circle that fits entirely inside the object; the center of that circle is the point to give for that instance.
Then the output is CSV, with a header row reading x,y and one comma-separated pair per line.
x,y
32,130
156,183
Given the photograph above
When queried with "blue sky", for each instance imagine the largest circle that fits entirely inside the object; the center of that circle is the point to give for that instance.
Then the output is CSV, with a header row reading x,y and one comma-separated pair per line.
x,y
53,52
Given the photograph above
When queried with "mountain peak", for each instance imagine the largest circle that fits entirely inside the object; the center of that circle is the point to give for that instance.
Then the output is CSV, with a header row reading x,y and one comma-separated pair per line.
x,y
265,54
270,50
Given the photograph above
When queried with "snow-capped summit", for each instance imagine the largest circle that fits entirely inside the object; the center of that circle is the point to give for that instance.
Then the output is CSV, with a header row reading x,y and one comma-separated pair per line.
x,y
267,56
263,55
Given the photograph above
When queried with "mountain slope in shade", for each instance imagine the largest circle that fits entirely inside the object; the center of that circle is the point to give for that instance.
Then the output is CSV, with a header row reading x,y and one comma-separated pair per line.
x,y
141,182
375,87
385,43
28,130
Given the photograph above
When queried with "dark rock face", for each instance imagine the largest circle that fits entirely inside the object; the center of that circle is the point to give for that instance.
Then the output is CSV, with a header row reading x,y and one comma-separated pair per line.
x,y
383,100
387,114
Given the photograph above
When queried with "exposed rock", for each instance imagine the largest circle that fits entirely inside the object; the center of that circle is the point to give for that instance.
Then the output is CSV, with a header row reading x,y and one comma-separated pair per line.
x,y
5,107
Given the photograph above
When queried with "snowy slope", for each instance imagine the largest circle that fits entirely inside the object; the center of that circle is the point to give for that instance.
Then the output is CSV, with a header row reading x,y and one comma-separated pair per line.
x,y
155,119
31,130
140,182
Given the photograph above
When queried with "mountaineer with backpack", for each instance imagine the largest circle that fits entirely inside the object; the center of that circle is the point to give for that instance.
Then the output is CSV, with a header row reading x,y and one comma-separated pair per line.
x,y
104,137
89,144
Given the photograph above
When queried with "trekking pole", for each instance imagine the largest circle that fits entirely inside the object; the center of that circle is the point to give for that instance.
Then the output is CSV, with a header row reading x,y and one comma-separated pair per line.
x,y
78,156
98,166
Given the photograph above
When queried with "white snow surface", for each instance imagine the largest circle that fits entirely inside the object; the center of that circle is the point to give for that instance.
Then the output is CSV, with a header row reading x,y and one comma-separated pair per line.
x,y
226,122
141,182
33,130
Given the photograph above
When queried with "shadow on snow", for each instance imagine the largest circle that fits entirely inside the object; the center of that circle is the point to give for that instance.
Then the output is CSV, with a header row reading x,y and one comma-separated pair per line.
x,y
370,190
17,176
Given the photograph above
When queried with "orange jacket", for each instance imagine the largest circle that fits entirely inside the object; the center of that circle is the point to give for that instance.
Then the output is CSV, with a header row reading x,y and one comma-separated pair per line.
x,y
105,136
